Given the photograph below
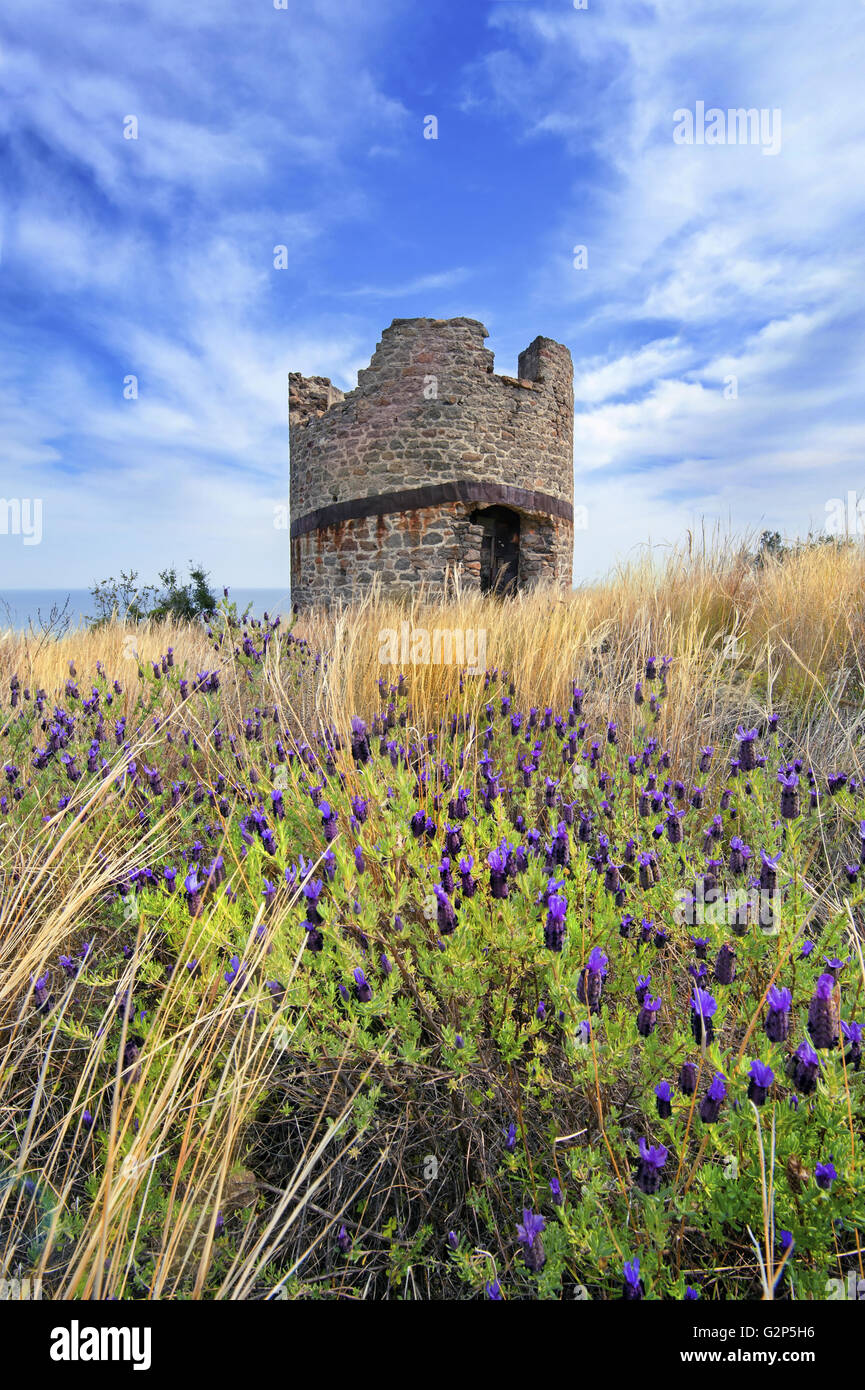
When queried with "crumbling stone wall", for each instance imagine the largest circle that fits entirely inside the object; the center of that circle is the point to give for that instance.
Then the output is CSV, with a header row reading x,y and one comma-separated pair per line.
x,y
385,480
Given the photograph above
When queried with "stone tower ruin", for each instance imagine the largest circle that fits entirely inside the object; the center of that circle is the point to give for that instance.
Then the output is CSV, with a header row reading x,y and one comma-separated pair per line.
x,y
433,464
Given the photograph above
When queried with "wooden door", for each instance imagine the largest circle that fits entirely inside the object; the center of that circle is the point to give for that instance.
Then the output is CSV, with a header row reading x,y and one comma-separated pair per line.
x,y
500,550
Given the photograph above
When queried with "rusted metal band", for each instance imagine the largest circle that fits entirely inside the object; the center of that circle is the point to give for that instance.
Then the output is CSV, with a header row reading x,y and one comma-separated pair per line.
x,y
433,495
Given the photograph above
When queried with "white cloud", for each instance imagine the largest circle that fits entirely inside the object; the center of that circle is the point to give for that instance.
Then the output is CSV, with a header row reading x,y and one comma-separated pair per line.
x,y
705,263
439,280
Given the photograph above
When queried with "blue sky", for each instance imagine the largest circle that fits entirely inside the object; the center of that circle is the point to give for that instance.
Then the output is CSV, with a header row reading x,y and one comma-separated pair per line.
x,y
304,126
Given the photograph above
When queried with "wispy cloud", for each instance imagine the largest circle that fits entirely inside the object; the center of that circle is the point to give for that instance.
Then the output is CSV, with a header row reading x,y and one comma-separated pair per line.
x,y
443,280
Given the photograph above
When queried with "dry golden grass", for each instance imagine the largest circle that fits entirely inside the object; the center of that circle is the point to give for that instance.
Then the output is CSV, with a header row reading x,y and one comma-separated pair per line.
x,y
788,635
795,628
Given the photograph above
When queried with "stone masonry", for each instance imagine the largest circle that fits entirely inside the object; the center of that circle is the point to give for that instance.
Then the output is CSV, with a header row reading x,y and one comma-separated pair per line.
x,y
394,479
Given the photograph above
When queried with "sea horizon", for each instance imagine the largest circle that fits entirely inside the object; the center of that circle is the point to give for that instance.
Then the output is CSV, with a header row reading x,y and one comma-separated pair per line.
x,y
21,607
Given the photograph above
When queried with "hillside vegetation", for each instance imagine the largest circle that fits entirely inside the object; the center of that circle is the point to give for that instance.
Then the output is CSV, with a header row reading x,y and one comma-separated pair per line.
x,y
323,977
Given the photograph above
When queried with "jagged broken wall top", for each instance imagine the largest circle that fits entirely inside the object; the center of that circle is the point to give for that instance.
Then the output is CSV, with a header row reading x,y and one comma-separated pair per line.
x,y
429,408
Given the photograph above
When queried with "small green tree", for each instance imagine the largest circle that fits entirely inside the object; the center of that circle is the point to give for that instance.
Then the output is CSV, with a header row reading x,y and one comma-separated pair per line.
x,y
184,602
124,599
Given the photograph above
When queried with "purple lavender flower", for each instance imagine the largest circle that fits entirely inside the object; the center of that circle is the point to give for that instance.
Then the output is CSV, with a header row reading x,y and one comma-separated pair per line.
x,y
769,871
710,1107
446,875
559,850
453,839
823,1018
193,888
131,1054
554,927
777,1024
360,749
277,993
853,1033
651,1161
790,807
329,819
804,1068
591,981
446,918
648,1016
497,864
362,987
633,1287
235,974
737,861
40,990
612,878
761,1078
834,965
663,1100
725,965
703,1006
825,1174
468,884
529,1235
688,1078
646,863
747,752
312,891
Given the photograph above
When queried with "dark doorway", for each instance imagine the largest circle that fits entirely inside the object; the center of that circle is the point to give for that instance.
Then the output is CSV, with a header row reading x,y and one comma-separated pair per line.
x,y
500,549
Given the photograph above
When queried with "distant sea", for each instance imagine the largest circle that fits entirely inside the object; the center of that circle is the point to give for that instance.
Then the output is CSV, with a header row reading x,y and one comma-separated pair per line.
x,y
20,606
